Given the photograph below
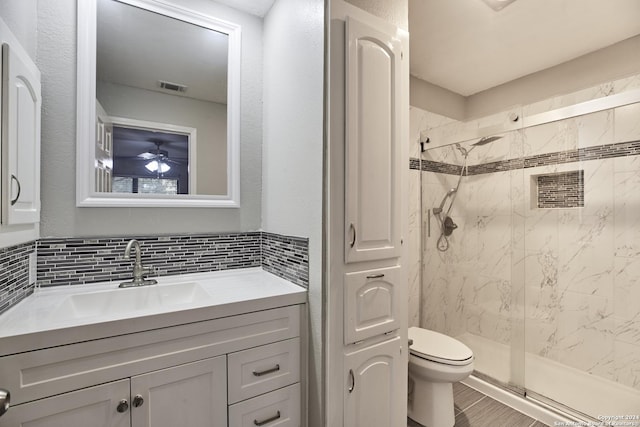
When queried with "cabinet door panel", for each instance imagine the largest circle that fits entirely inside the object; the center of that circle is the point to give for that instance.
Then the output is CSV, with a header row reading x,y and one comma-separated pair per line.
x,y
20,138
91,407
373,386
191,395
372,193
372,303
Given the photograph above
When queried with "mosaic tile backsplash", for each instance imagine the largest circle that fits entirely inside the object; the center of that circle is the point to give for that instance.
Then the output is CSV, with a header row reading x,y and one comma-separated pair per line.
x,y
74,261
14,274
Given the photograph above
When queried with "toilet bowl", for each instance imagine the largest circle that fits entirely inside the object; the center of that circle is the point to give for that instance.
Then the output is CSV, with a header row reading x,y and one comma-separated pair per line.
x,y
436,361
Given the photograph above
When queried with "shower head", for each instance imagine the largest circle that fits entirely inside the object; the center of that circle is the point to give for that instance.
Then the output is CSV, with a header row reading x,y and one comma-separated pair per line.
x,y
486,140
482,141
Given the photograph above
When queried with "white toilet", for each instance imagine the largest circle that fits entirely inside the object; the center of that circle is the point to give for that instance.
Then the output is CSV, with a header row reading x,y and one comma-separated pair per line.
x,y
436,361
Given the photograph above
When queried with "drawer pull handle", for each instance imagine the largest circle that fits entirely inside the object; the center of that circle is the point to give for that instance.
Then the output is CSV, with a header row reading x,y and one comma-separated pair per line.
x,y
375,276
265,372
267,421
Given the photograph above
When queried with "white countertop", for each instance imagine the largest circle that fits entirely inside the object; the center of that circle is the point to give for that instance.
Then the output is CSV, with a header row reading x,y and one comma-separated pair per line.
x,y
37,321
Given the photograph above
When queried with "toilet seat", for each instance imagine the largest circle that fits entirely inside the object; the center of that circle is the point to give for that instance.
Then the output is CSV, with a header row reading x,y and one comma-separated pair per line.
x,y
439,348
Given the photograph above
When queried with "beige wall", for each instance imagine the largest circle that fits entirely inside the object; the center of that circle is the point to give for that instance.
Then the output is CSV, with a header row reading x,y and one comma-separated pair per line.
x,y
614,62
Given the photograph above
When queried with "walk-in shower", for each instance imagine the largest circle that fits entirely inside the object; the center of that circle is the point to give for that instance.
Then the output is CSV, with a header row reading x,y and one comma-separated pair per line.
x,y
540,276
447,226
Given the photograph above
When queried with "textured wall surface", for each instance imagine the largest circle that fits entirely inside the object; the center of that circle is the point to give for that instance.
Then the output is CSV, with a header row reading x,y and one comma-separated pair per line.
x,y
60,217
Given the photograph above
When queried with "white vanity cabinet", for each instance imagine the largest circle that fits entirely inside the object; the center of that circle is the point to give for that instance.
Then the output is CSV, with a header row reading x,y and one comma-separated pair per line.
x,y
172,376
188,395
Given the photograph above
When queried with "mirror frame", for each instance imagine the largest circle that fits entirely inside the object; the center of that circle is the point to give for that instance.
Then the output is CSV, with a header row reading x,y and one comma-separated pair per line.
x,y
86,196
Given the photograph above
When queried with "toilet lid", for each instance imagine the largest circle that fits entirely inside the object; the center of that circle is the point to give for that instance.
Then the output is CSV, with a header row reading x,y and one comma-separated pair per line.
x,y
437,347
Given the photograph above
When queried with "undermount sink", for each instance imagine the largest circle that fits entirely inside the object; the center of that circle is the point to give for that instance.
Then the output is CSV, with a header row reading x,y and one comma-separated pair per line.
x,y
121,300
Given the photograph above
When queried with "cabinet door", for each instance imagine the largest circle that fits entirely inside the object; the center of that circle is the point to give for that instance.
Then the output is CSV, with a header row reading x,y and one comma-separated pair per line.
x,y
372,303
90,407
191,395
372,193
21,101
373,386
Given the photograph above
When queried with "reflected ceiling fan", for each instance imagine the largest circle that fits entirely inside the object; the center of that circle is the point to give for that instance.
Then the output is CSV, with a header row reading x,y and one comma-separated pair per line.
x,y
157,159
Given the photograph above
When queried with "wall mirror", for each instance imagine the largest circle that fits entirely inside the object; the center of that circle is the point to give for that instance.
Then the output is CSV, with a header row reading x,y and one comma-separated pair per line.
x,y
158,106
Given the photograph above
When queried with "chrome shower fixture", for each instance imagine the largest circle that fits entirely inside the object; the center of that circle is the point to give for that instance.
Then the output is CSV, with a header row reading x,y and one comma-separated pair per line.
x,y
446,223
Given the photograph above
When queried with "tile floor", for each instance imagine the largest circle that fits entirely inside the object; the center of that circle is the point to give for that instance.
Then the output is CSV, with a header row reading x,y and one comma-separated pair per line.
x,y
474,409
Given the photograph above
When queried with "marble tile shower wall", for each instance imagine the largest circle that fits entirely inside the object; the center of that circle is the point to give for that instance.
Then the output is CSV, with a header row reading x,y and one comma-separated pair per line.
x,y
74,261
573,272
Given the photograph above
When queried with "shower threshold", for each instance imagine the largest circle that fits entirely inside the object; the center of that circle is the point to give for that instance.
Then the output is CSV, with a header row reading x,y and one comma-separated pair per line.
x,y
529,405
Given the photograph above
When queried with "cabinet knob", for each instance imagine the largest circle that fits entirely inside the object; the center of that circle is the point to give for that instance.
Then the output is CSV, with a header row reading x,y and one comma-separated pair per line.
x,y
5,398
123,406
137,401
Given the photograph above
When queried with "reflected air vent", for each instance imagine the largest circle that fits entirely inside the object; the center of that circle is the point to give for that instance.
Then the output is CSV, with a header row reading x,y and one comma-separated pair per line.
x,y
172,86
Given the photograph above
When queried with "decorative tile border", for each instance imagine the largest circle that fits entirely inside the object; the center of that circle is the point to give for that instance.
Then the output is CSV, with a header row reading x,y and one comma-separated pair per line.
x,y
14,274
439,167
609,151
414,164
286,257
561,190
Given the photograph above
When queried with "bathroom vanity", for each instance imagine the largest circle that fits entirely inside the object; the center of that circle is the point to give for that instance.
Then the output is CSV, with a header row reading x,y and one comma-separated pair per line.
x,y
216,349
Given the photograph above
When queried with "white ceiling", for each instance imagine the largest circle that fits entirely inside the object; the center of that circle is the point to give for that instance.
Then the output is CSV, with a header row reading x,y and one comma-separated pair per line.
x,y
466,47
137,48
254,7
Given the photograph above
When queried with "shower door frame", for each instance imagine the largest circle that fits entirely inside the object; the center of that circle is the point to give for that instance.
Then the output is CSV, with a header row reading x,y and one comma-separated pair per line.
x,y
516,123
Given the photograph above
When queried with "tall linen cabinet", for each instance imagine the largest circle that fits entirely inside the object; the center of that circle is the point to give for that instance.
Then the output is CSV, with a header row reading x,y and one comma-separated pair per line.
x,y
367,351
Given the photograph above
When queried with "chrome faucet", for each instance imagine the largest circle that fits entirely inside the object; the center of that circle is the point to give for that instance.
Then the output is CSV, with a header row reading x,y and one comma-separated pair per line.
x,y
138,270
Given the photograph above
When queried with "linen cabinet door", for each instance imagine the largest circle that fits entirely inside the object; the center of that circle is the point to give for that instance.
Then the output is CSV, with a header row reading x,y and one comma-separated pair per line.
x,y
373,143
373,386
190,395
105,405
372,303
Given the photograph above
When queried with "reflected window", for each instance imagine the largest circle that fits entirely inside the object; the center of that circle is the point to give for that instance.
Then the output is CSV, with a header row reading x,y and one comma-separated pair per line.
x,y
124,184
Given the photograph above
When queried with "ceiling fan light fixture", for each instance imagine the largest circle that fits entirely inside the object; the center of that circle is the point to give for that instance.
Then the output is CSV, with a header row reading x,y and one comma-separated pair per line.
x,y
154,165
498,4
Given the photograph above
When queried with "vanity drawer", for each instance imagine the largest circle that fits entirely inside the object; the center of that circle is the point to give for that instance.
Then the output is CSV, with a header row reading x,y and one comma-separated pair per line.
x,y
37,374
262,369
279,408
